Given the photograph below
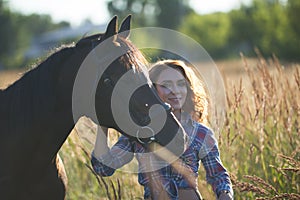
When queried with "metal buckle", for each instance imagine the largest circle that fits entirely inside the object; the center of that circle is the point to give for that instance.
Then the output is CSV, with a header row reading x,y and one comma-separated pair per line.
x,y
151,139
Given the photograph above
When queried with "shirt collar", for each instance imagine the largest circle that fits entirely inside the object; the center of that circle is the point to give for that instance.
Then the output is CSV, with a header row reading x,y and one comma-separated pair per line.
x,y
186,119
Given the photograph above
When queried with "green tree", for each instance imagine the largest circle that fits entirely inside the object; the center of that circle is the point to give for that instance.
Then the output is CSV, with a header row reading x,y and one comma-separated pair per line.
x,y
211,31
293,11
8,33
17,31
38,24
162,13
171,13
265,25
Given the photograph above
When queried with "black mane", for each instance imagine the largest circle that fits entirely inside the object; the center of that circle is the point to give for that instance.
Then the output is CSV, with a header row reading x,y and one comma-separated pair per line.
x,y
34,93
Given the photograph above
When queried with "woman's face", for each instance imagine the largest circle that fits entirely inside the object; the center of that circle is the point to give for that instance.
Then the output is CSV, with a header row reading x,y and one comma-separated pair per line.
x,y
171,87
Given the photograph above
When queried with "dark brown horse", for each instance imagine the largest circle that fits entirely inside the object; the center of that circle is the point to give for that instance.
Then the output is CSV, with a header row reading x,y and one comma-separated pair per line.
x,y
38,111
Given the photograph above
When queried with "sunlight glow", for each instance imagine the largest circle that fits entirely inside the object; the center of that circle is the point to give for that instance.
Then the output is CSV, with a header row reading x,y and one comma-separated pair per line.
x,y
76,12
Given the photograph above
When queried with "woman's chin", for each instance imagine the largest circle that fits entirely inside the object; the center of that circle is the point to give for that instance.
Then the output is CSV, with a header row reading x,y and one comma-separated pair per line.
x,y
176,106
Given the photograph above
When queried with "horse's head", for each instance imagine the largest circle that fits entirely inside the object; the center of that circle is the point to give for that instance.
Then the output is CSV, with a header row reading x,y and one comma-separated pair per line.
x,y
124,97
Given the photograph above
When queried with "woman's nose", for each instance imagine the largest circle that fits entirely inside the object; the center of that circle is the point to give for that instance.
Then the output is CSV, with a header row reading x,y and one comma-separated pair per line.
x,y
175,89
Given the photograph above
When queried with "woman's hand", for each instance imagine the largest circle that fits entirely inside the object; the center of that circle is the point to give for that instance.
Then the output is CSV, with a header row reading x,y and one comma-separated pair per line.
x,y
101,146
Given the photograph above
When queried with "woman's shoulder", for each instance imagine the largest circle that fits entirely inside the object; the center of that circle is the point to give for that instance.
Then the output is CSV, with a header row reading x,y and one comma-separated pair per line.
x,y
202,128
204,136
189,122
203,133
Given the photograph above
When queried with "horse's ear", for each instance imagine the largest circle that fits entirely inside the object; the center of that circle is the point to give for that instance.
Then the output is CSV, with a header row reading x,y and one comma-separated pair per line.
x,y
111,29
125,27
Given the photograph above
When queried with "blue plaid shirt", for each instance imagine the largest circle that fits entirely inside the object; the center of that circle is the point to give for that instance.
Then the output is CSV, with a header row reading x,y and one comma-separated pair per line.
x,y
202,147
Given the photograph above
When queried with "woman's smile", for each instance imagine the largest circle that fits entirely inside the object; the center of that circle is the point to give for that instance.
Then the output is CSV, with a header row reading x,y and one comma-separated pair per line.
x,y
175,99
172,88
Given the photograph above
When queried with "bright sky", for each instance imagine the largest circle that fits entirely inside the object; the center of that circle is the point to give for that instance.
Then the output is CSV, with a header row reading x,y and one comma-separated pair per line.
x,y
76,12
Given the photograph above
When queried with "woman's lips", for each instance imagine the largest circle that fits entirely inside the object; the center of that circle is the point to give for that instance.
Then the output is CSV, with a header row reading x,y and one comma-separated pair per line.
x,y
174,99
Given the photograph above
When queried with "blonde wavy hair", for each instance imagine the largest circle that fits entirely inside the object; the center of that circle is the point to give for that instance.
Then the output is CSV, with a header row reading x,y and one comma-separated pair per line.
x,y
197,100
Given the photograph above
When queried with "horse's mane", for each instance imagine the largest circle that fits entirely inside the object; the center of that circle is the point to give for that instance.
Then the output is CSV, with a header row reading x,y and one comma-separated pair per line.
x,y
33,93
58,52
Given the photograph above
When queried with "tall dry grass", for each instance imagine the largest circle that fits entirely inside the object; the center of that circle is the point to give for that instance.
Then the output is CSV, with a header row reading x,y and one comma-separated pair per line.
x,y
261,134
259,142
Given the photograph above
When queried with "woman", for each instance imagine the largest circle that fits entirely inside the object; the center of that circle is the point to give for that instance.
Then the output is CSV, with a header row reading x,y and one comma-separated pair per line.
x,y
178,86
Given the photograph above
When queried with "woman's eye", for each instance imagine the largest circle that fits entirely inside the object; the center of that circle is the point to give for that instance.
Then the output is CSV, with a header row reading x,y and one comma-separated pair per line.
x,y
165,85
181,84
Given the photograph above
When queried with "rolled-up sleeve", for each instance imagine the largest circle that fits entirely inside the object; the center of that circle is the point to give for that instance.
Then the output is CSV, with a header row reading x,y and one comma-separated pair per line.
x,y
120,154
216,174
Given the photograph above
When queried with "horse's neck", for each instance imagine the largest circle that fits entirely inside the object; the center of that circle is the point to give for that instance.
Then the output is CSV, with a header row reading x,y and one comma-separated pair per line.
x,y
1,95
32,108
30,97
2,105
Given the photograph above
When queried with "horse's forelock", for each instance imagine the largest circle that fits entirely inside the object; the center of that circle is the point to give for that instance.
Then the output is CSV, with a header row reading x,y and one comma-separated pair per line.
x,y
134,57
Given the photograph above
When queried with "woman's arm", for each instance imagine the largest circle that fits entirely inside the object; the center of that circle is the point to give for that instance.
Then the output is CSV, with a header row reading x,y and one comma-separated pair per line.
x,y
104,160
216,174
101,146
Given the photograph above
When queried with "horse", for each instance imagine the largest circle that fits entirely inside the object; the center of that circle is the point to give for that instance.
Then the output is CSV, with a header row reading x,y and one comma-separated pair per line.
x,y
37,111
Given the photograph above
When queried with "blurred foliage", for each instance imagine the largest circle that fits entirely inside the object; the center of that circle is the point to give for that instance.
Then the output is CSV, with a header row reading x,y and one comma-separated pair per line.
x,y
211,31
17,31
271,26
293,14
162,13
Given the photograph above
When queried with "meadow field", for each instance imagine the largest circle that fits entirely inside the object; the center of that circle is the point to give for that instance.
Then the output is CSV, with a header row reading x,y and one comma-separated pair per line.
x,y
259,142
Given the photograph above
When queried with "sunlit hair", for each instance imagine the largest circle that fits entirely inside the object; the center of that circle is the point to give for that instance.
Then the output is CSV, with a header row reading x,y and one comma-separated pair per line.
x,y
197,101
